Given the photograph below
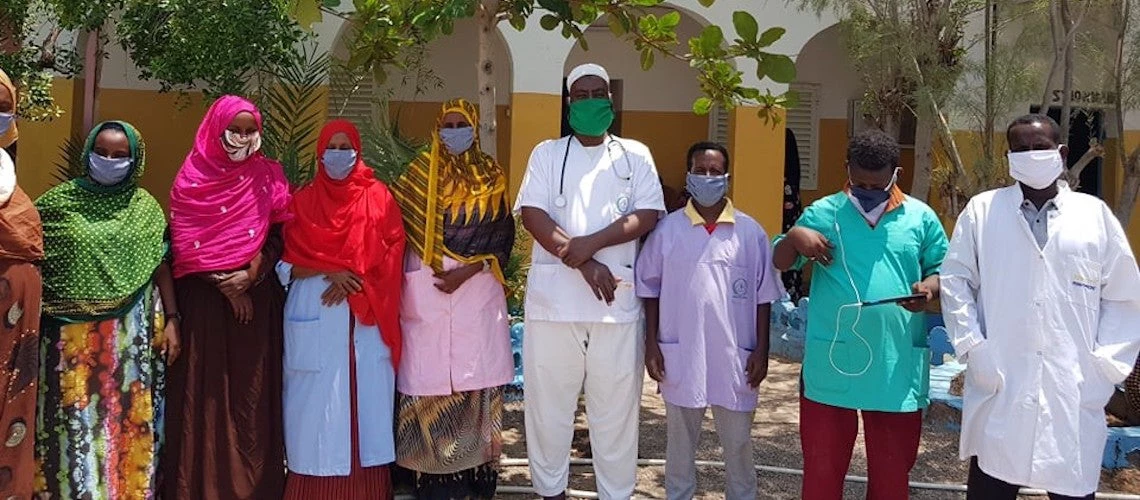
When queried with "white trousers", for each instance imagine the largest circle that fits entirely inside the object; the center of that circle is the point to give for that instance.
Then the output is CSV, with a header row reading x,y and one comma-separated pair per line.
x,y
559,360
734,428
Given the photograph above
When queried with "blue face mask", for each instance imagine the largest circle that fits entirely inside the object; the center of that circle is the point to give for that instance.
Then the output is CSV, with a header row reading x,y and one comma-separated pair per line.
x,y
339,162
871,198
109,171
706,190
458,140
6,120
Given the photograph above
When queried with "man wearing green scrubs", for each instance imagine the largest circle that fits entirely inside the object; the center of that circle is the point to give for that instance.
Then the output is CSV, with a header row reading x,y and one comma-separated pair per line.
x,y
866,243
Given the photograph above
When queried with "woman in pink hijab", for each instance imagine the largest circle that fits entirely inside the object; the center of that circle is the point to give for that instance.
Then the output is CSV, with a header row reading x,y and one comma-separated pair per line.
x,y
223,410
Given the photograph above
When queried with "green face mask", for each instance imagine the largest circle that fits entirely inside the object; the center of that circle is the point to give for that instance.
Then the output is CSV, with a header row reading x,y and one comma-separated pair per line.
x,y
591,117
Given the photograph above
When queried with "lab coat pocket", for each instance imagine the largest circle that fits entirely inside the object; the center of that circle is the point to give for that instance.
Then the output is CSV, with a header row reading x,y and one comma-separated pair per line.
x,y
1084,282
823,376
625,299
303,345
982,373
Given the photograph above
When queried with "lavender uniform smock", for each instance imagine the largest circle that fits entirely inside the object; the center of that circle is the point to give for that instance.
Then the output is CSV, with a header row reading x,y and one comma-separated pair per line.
x,y
709,286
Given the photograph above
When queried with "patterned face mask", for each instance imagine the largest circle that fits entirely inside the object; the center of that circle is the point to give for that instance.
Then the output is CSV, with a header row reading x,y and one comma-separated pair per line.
x,y
239,147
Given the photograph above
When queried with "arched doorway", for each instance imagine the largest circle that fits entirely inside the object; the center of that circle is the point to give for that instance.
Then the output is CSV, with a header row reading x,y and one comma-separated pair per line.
x,y
444,69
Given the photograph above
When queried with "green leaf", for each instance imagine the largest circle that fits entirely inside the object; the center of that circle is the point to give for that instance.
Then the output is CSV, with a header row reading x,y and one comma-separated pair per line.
x,y
331,4
702,106
549,22
518,23
670,21
711,39
770,36
647,59
615,26
778,67
379,75
706,3
745,25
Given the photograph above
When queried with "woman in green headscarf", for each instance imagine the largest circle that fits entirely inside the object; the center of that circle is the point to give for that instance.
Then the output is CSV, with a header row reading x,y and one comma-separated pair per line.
x,y
109,320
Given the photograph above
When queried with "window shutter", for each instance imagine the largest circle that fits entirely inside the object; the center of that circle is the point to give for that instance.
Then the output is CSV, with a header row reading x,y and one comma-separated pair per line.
x,y
803,121
718,125
351,100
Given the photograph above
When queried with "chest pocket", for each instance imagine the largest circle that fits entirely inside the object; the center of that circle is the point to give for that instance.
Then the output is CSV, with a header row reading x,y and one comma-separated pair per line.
x,y
1082,278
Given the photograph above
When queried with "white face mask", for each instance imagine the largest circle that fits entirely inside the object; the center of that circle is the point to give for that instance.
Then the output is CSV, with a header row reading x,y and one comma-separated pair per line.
x,y
1036,169
240,146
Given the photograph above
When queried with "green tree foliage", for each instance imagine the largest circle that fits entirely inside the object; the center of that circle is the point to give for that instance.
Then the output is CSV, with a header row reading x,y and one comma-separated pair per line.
x,y
216,46
384,29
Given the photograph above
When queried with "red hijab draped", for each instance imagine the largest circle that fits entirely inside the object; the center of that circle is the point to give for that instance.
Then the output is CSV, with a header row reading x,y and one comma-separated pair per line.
x,y
352,224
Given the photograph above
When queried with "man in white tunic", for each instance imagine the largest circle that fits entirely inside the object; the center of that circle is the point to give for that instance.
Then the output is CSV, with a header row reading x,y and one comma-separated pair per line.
x,y
1041,296
587,199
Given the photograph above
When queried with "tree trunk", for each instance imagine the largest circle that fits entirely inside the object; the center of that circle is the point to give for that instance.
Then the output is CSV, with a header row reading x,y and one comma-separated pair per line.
x,y
923,156
488,127
92,63
1067,78
1129,189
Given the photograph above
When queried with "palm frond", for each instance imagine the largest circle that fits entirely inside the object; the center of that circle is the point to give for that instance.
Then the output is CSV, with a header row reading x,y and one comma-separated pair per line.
x,y
386,149
291,107
69,165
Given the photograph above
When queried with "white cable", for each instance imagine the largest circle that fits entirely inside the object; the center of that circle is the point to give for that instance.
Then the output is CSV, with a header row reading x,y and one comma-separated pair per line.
x,y
961,488
858,305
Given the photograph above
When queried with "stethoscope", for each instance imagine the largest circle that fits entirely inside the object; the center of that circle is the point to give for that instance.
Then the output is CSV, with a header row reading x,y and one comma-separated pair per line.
x,y
623,202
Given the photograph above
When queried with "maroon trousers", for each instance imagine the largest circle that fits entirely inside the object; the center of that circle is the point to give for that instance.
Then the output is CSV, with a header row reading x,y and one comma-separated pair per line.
x,y
827,435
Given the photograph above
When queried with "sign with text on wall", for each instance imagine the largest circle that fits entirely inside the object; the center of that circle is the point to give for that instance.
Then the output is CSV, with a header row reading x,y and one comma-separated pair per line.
x,y
1086,98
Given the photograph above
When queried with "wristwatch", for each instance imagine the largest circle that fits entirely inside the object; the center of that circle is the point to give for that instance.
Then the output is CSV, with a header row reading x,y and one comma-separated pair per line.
x,y
172,316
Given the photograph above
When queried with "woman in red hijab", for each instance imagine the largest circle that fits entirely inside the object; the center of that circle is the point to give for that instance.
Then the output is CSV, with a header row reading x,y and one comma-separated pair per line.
x,y
343,266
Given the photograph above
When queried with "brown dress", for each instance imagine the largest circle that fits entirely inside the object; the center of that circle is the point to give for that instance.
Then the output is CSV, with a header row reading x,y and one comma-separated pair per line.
x,y
225,437
21,246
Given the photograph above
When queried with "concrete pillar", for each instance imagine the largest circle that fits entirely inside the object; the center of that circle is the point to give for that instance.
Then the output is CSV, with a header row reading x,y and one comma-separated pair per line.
x,y
757,149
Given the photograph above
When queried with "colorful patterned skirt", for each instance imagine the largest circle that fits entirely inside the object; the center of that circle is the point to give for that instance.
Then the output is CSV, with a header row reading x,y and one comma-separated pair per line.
x,y
459,457
101,405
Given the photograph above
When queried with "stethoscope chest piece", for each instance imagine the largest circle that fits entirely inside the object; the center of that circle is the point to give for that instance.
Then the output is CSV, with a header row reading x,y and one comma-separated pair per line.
x,y
560,202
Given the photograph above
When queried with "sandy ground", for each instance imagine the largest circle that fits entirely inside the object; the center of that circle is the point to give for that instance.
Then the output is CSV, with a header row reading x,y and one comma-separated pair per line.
x,y
776,440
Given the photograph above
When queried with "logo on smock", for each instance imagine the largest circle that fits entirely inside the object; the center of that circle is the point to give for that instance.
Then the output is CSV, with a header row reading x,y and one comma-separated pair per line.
x,y
623,204
740,288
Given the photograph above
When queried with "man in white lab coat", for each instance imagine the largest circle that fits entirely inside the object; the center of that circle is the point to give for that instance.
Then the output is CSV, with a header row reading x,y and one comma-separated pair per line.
x,y
1041,296
586,198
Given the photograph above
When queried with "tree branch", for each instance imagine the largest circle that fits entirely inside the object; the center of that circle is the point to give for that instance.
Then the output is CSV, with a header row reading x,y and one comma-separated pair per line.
x,y
1095,152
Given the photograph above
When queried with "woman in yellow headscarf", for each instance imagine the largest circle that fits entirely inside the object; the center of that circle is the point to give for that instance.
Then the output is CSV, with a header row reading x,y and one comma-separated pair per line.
x,y
8,102
456,343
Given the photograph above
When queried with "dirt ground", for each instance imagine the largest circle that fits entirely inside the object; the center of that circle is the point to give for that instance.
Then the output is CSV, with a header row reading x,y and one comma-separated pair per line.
x,y
776,440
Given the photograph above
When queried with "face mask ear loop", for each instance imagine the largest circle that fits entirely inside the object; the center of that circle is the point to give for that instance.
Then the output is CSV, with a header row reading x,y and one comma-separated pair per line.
x,y
858,305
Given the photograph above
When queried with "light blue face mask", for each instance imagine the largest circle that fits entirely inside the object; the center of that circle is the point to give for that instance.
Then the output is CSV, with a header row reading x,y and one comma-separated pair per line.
x,y
6,120
109,171
706,190
339,162
458,140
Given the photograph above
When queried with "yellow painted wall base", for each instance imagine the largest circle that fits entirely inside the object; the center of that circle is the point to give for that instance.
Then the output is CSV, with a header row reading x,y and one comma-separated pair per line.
x,y
534,118
757,150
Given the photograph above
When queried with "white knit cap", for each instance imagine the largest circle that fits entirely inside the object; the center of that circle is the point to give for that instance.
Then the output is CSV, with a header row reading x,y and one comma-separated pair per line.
x,y
588,69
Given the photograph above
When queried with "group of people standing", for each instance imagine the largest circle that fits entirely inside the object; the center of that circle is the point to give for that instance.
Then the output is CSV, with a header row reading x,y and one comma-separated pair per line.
x,y
249,347
268,343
